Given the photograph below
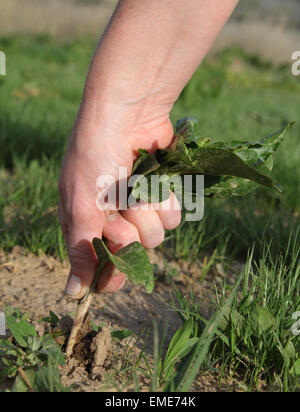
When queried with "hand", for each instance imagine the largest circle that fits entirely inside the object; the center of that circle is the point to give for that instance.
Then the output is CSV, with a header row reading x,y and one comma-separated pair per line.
x,y
147,54
96,150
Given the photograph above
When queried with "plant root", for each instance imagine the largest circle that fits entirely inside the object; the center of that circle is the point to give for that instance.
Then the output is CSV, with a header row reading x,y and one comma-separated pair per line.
x,y
81,314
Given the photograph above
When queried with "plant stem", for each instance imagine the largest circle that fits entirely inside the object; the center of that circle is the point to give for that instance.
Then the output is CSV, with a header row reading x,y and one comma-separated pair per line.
x,y
82,310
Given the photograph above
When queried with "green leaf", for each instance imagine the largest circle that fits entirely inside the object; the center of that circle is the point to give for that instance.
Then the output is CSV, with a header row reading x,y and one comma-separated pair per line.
x,y
188,128
179,341
131,260
295,370
144,189
94,326
230,169
215,162
145,163
261,320
228,186
8,372
121,334
52,319
5,344
20,329
234,319
290,350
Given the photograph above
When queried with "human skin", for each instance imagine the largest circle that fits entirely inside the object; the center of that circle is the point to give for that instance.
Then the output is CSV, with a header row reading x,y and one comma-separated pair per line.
x,y
148,53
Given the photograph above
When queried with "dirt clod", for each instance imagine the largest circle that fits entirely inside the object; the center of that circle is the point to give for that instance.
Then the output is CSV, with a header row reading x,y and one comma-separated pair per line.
x,y
103,346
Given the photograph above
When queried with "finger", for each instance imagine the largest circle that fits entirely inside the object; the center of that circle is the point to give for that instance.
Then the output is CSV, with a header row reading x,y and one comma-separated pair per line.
x,y
169,212
148,224
111,279
119,233
83,259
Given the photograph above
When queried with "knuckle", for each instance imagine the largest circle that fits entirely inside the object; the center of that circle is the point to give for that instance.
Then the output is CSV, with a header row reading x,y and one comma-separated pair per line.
x,y
77,256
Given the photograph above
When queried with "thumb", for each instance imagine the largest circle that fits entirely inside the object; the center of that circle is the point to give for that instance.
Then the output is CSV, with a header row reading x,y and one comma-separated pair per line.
x,y
82,257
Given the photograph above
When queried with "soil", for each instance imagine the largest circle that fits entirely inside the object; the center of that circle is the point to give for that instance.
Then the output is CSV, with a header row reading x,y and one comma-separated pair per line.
x,y
36,284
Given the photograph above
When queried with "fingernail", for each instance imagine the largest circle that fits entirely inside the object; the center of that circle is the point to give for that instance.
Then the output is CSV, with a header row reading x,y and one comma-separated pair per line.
x,y
74,286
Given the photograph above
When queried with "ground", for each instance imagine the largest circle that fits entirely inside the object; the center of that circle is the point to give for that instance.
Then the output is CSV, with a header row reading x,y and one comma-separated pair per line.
x,y
36,284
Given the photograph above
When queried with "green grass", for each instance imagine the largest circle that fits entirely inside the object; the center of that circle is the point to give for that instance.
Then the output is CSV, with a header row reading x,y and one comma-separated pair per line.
x,y
28,202
254,339
234,96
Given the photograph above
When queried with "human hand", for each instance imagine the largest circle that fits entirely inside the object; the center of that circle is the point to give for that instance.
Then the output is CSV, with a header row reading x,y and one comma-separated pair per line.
x,y
143,61
94,151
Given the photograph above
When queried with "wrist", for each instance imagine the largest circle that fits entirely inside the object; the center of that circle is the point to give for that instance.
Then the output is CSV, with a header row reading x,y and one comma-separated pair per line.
x,y
145,124
135,103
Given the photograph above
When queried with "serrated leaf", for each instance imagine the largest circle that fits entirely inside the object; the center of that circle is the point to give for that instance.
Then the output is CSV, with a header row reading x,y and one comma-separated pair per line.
x,y
230,169
214,162
131,260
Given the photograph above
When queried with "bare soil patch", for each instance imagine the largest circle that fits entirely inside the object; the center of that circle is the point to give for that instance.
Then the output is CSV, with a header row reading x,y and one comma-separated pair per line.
x,y
36,284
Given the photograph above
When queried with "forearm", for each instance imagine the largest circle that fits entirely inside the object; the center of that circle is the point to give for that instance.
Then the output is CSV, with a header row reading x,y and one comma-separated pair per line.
x,y
150,50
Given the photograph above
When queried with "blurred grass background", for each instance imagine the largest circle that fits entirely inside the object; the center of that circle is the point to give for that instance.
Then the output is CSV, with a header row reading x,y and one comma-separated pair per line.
x,y
239,92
